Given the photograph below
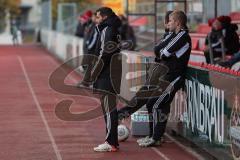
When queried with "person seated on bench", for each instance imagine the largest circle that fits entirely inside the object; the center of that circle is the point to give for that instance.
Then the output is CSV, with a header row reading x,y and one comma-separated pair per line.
x,y
222,29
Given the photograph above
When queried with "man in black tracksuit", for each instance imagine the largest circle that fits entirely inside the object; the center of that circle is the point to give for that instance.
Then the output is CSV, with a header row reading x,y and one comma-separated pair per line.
x,y
108,36
168,74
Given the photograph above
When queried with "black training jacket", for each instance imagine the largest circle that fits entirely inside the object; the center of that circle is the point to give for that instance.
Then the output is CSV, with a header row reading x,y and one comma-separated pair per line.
x,y
108,45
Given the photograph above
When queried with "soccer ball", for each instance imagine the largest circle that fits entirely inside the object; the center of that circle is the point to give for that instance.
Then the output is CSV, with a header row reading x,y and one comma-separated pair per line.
x,y
123,133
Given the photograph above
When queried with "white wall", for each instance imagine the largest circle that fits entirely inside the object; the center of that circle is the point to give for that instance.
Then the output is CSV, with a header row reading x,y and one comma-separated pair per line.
x,y
235,5
35,11
57,43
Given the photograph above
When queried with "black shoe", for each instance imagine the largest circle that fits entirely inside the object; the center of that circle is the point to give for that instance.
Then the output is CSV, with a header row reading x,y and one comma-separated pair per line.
x,y
225,64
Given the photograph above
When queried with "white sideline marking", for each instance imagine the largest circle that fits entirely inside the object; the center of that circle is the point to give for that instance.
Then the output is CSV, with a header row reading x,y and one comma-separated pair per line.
x,y
160,153
40,110
187,149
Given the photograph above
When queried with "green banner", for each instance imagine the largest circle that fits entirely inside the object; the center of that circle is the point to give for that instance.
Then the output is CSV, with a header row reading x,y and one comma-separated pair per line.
x,y
207,112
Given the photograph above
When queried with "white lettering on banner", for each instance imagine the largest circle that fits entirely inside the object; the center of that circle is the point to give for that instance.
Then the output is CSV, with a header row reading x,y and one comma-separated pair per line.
x,y
205,110
202,106
179,107
235,128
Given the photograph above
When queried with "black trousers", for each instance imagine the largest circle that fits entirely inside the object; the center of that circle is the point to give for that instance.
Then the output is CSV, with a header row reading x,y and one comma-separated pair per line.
x,y
157,81
88,64
161,108
157,94
215,55
108,103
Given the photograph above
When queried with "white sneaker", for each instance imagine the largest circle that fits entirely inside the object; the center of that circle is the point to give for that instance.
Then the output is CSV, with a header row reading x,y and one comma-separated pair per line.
x,y
105,147
150,142
141,140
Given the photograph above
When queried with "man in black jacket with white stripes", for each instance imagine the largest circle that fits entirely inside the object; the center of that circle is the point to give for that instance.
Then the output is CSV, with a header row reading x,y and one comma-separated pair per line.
x,y
165,78
107,49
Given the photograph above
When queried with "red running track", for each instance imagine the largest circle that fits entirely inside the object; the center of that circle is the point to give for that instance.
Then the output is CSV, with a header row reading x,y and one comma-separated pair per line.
x,y
30,130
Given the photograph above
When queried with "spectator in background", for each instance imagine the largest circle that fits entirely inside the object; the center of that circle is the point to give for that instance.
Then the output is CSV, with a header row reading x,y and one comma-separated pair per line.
x,y
83,22
14,33
231,38
127,32
89,47
90,35
234,45
222,29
